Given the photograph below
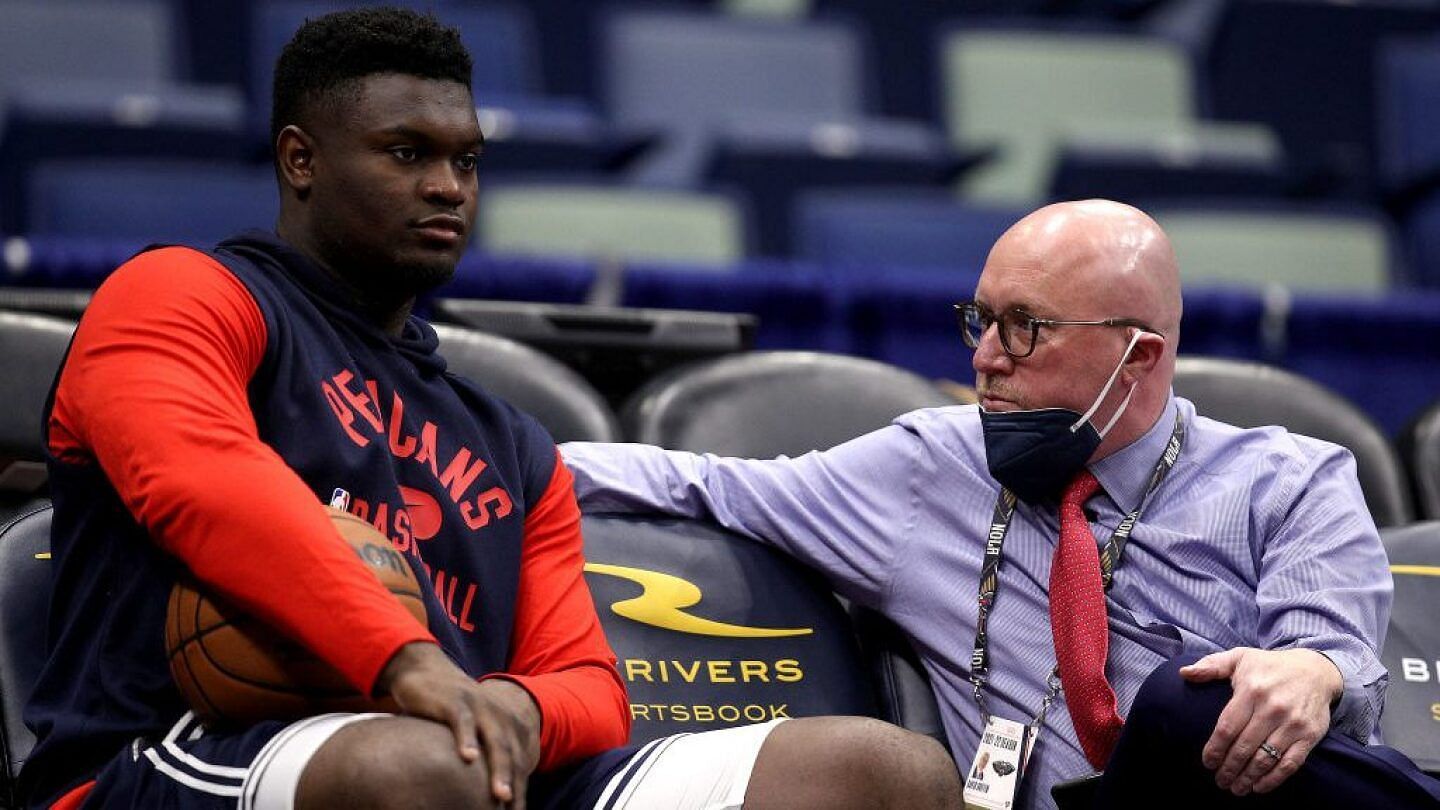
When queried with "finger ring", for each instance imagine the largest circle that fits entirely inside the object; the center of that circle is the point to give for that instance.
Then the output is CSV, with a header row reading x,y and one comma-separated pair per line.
x,y
1270,750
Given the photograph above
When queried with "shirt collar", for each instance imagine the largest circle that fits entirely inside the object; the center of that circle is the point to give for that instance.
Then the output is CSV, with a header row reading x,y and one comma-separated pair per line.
x,y
1125,473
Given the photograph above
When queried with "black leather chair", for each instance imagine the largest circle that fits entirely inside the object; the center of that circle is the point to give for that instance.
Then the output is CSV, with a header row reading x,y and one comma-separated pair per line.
x,y
1253,394
568,406
1419,446
765,404
1412,644
24,600
31,348
716,630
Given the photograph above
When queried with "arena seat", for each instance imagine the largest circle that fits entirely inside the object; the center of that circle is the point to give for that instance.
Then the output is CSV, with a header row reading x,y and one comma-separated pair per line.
x,y
713,629
1253,394
902,689
1419,446
32,347
568,406
1024,89
1230,160
612,223
1312,248
1412,644
1407,102
151,201
24,601
877,227
765,404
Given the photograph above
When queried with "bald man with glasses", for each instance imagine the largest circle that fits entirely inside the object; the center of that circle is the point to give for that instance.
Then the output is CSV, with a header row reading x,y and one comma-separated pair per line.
x,y
1097,578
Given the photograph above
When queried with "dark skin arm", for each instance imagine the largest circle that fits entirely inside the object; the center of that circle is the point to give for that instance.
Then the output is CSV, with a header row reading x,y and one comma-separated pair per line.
x,y
495,714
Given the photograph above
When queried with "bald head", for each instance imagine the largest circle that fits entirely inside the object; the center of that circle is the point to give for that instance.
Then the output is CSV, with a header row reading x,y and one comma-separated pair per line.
x,y
1089,261
1109,257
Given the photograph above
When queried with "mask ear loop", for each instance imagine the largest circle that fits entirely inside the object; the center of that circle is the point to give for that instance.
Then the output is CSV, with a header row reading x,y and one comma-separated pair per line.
x,y
1114,375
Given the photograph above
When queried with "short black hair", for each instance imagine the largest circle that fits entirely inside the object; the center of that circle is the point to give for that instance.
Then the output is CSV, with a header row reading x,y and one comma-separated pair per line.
x,y
328,54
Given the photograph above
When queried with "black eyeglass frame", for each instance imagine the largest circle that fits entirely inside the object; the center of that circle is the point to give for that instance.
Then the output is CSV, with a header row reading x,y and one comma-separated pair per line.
x,y
1035,323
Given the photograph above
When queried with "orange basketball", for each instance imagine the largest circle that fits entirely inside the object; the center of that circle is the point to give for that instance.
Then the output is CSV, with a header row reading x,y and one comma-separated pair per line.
x,y
233,669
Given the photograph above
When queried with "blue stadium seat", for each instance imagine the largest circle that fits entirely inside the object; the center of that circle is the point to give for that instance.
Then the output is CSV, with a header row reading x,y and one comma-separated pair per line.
x,y
774,160
691,69
873,228
149,201
1237,161
1408,111
1315,82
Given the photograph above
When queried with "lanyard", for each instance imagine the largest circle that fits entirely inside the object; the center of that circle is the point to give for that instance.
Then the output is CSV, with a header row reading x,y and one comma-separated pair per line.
x,y
1109,559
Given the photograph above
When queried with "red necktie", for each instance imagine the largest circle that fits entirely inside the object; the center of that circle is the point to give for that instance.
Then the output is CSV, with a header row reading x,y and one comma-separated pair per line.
x,y
1077,623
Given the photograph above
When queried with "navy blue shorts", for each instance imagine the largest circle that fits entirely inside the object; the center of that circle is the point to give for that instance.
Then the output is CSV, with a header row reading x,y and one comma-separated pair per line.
x,y
191,769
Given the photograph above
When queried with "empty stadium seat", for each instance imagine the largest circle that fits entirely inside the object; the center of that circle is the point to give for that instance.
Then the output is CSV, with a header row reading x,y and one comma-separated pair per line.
x,y
107,118
32,347
1407,103
151,201
1231,160
1252,395
1025,90
24,603
767,404
1315,83
568,406
610,222
749,635
1335,248
1412,643
678,68
896,227
1419,447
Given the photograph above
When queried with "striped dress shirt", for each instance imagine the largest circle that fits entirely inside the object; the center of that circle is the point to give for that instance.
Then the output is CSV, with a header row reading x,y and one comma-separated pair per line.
x,y
1258,537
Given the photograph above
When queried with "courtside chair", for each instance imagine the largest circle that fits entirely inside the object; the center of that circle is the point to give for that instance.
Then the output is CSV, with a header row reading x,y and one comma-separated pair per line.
x,y
1408,722
568,406
1339,249
24,602
1253,395
32,347
1023,91
766,404
712,629
613,223
1419,447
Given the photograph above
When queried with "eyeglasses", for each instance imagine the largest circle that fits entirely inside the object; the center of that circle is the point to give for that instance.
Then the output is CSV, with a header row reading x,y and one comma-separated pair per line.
x,y
1019,329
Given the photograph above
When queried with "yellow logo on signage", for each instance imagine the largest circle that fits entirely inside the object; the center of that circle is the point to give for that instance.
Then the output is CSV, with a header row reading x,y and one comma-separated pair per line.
x,y
662,601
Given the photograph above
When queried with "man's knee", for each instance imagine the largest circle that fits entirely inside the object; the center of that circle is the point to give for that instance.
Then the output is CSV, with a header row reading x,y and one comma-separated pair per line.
x,y
393,762
1170,709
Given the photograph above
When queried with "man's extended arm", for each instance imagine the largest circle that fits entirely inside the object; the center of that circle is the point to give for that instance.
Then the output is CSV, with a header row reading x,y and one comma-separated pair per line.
x,y
845,511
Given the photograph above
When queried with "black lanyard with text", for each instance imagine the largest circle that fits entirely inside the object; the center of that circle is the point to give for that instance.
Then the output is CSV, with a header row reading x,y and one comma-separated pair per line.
x,y
1109,560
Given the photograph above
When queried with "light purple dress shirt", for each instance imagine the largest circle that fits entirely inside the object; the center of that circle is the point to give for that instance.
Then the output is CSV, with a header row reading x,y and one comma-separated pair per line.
x,y
1257,538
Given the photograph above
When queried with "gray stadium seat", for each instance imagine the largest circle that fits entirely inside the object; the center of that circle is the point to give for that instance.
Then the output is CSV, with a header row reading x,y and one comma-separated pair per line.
x,y
767,404
1420,450
1253,394
568,406
765,638
1412,644
24,600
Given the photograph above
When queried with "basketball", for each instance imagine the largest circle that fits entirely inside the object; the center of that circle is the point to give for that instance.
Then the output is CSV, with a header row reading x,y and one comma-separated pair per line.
x,y
234,670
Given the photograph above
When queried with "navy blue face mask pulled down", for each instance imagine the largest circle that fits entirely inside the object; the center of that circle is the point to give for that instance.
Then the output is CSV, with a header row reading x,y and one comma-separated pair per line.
x,y
1034,454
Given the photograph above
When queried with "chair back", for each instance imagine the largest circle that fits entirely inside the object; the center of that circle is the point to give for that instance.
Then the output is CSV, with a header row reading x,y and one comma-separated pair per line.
x,y
1253,394
24,602
568,406
1420,450
1412,643
766,404
714,630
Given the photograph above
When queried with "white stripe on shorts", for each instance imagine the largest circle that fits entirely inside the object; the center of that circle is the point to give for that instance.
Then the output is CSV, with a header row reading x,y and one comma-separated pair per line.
x,y
706,771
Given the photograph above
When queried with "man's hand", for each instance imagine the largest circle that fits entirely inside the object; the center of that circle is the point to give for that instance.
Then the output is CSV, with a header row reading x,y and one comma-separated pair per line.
x,y
1281,697
495,714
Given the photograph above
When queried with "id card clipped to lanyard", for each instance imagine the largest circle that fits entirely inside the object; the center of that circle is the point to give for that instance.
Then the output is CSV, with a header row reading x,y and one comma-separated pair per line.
x,y
993,780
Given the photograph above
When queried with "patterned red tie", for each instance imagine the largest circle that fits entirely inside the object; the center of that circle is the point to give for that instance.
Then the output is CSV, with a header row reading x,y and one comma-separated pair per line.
x,y
1077,623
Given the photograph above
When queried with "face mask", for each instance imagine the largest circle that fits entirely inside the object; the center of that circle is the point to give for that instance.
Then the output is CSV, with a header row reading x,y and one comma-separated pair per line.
x,y
1035,453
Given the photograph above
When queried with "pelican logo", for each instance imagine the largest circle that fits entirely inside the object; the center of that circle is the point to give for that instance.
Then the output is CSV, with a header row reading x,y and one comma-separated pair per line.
x,y
662,601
